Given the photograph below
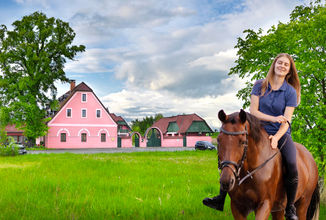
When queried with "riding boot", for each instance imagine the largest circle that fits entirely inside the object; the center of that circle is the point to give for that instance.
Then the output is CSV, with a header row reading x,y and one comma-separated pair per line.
x,y
216,202
291,189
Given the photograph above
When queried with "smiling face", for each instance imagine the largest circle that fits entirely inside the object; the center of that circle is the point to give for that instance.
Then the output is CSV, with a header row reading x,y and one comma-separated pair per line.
x,y
282,66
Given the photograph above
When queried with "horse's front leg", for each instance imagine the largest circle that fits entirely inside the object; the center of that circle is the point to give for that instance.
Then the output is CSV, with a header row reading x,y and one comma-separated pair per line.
x,y
236,212
263,211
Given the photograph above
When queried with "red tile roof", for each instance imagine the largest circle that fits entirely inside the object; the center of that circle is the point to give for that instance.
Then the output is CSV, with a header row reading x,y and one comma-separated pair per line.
x,y
12,128
116,118
81,87
183,122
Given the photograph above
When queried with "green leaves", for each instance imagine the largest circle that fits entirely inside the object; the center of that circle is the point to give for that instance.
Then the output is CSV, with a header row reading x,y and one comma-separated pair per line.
x,y
304,38
32,58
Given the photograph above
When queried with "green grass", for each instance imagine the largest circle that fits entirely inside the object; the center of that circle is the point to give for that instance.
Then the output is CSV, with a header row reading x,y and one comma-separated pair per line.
x,y
147,185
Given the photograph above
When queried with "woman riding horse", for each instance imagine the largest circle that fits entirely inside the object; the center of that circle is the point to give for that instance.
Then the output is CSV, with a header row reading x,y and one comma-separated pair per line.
x,y
273,101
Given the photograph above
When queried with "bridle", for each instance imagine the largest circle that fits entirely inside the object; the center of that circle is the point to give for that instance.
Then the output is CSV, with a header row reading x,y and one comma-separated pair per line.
x,y
237,166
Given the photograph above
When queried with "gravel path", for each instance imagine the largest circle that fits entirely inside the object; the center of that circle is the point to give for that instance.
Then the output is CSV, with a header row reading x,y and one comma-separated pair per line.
x,y
111,150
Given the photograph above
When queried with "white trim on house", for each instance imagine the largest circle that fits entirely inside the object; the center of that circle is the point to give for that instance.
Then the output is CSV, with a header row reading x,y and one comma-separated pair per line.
x,y
84,129
101,131
63,129
85,125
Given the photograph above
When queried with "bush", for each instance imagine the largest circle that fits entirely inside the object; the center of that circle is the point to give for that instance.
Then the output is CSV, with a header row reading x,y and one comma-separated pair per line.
x,y
9,149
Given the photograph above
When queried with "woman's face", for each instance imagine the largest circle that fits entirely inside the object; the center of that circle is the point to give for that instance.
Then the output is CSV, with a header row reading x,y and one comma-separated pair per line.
x,y
282,66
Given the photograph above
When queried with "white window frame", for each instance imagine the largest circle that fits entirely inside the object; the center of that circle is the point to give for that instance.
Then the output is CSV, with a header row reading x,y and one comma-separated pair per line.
x,y
82,112
67,113
100,113
83,96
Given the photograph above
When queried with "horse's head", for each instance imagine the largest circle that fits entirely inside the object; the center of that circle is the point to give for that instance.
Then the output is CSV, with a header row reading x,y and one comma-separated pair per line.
x,y
232,147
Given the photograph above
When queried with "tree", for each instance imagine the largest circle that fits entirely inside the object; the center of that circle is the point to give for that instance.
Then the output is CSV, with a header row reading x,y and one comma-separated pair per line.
x,y
303,37
32,58
142,125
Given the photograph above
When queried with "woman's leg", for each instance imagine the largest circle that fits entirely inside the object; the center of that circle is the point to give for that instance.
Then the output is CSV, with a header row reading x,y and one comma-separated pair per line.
x,y
291,176
216,202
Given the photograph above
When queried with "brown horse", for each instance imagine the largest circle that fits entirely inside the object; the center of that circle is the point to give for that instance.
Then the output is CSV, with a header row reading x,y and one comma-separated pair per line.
x,y
252,173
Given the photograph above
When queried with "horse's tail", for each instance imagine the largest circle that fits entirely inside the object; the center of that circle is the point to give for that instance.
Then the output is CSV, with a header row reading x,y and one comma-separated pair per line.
x,y
313,209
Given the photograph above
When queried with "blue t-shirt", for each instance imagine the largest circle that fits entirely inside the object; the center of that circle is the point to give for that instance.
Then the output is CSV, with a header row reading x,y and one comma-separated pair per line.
x,y
273,102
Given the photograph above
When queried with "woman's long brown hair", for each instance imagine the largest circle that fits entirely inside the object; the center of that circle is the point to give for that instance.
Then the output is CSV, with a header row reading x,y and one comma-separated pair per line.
x,y
292,77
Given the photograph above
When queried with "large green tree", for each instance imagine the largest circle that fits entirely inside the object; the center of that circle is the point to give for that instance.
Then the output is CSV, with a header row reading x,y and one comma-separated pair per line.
x,y
304,37
32,58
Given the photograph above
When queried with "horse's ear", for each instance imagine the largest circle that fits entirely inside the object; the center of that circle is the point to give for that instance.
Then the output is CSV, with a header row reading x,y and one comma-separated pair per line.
x,y
222,116
243,116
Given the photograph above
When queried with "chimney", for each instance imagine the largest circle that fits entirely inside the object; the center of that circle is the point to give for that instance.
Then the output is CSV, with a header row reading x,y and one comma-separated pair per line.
x,y
72,84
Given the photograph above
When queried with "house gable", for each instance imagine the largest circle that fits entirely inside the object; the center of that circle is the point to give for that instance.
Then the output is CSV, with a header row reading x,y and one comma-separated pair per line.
x,y
81,122
75,111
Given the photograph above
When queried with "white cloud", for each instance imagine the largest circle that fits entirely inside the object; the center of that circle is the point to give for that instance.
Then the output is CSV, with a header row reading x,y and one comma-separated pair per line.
x,y
219,61
171,56
136,103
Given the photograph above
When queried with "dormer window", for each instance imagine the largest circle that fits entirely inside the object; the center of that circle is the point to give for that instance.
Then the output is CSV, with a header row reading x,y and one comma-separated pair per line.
x,y
84,97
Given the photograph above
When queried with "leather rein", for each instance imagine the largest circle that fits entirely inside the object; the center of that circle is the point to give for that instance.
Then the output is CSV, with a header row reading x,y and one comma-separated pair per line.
x,y
238,166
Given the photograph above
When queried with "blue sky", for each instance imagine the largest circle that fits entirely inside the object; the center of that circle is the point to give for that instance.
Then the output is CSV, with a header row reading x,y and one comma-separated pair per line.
x,y
145,57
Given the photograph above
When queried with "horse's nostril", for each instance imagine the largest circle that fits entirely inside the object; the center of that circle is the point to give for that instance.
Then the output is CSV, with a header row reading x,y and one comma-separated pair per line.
x,y
232,181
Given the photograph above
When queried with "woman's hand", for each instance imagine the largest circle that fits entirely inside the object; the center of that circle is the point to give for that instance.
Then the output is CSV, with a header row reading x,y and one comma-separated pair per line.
x,y
274,141
280,119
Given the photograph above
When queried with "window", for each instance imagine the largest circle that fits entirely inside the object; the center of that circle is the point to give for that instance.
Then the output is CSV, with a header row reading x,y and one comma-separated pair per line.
x,y
63,137
98,113
103,137
84,99
84,113
83,137
68,112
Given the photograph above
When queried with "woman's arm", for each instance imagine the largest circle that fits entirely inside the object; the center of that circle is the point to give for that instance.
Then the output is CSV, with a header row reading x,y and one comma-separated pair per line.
x,y
283,128
254,103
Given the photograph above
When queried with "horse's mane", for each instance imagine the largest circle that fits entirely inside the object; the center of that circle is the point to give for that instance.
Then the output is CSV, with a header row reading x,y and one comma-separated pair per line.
x,y
255,127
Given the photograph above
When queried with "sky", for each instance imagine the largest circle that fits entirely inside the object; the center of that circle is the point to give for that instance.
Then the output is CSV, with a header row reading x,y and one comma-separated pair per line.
x,y
145,57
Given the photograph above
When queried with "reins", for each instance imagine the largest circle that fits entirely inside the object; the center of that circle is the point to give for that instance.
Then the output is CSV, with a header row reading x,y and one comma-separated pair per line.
x,y
244,155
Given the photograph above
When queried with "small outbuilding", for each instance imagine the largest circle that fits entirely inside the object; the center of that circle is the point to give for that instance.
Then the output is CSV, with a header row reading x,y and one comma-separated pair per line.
x,y
178,131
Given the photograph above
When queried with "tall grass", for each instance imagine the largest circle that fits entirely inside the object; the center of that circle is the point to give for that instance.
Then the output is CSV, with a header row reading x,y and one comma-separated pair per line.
x,y
147,185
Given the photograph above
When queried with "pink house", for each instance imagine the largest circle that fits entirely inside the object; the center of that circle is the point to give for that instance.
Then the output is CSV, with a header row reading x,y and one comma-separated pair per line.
x,y
81,122
178,131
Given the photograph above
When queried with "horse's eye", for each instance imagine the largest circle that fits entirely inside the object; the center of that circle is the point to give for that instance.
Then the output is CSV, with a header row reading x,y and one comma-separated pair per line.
x,y
242,142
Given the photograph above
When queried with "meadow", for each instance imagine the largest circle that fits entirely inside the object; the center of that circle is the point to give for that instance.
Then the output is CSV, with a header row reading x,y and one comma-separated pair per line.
x,y
146,185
